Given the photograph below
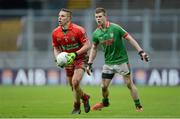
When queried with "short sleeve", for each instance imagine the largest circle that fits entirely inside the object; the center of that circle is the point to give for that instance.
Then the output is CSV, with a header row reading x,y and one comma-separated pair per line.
x,y
54,40
123,33
82,35
95,39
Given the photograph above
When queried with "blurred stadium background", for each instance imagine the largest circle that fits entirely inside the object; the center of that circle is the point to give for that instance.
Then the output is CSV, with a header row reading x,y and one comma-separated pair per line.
x,y
26,57
25,38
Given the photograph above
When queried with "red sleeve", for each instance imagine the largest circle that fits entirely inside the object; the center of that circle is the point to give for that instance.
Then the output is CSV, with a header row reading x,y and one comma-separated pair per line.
x,y
54,40
83,35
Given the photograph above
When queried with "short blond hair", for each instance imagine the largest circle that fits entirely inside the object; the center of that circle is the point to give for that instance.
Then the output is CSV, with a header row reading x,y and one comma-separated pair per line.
x,y
67,10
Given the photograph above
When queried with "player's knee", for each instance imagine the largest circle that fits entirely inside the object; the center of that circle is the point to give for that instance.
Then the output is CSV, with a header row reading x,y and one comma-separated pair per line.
x,y
129,86
75,84
70,84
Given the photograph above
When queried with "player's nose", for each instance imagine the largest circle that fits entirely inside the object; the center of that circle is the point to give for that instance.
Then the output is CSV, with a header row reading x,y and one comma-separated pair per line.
x,y
59,18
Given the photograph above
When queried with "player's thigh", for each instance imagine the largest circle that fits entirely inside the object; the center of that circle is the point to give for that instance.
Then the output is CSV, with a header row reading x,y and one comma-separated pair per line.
x,y
78,74
125,70
69,78
80,66
107,75
69,70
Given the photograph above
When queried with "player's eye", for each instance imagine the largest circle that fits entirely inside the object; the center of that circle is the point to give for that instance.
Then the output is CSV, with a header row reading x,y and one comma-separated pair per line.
x,y
98,16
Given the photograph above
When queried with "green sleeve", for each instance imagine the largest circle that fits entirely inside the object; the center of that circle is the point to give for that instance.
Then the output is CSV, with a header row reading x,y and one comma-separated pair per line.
x,y
121,31
95,39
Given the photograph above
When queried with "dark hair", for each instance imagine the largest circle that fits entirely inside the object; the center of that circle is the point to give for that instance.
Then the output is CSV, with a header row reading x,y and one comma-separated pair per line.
x,y
67,10
100,9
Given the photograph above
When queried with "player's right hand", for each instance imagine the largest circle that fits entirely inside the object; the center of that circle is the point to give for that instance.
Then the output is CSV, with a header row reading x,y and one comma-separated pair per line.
x,y
89,68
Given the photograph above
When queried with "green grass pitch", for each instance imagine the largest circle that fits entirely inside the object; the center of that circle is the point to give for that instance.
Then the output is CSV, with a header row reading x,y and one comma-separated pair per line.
x,y
57,101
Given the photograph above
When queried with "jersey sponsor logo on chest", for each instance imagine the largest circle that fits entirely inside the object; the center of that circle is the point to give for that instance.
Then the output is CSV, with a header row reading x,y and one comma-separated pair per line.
x,y
107,39
106,36
66,38
107,42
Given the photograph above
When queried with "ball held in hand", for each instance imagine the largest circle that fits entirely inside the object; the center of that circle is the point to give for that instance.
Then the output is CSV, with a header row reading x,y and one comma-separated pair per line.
x,y
62,58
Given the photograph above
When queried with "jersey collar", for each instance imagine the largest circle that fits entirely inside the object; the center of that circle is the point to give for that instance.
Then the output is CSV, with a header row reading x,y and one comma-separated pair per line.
x,y
107,25
70,26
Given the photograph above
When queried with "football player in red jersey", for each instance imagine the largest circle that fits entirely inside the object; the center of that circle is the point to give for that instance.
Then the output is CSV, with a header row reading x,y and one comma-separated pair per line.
x,y
71,38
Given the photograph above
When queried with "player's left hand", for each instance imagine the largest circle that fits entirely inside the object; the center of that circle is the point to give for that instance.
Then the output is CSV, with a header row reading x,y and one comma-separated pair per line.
x,y
143,56
89,68
71,57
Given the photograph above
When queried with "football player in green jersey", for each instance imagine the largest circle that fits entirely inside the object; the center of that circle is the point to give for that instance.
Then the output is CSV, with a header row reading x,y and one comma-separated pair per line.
x,y
110,36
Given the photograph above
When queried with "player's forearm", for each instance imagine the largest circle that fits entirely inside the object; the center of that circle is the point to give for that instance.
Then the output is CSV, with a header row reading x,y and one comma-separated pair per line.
x,y
93,53
134,43
84,48
56,51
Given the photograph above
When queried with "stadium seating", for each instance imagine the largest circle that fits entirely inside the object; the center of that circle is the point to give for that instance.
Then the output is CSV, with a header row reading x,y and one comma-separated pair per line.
x,y
9,32
79,4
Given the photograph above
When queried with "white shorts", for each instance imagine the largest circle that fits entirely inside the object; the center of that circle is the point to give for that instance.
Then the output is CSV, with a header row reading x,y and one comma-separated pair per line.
x,y
122,69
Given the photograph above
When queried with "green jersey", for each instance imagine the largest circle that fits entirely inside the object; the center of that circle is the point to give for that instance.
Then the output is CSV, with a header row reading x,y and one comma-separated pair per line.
x,y
111,40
